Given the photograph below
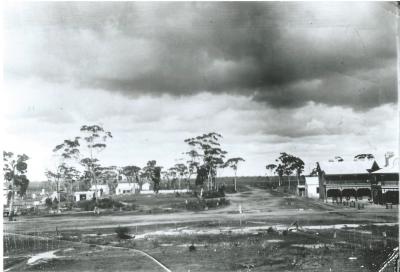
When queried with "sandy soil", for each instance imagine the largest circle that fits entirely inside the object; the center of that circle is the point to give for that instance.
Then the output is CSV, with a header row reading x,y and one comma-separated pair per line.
x,y
232,238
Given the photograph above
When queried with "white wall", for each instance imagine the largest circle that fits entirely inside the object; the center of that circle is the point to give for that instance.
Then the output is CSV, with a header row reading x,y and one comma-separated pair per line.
x,y
89,195
312,184
126,187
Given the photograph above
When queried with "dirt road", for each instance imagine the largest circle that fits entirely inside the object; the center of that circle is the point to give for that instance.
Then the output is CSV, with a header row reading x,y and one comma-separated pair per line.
x,y
256,205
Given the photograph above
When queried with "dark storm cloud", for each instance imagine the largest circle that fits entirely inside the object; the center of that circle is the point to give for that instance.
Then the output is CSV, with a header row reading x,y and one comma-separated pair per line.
x,y
284,54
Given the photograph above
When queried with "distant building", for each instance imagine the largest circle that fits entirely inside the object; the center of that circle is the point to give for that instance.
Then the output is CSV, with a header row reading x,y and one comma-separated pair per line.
x,y
146,186
346,179
102,190
83,195
125,188
312,187
385,184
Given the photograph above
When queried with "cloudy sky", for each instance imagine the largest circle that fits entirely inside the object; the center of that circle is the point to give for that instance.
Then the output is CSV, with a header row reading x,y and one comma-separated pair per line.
x,y
313,79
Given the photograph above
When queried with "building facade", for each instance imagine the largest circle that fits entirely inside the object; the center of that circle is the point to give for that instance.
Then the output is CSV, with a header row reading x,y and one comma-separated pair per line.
x,y
385,184
340,180
312,187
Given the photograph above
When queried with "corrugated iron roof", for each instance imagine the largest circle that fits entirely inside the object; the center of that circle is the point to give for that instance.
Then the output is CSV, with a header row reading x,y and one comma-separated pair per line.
x,y
346,167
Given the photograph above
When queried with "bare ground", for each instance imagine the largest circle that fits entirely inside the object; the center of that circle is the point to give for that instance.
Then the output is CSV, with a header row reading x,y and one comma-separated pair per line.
x,y
330,238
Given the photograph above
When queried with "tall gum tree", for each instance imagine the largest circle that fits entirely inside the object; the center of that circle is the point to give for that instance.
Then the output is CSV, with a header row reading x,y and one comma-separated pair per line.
x,y
66,153
153,173
131,172
14,170
208,148
95,138
289,164
233,163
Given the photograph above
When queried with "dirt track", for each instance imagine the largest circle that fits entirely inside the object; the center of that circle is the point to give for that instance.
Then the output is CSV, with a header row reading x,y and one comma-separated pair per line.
x,y
256,205
224,237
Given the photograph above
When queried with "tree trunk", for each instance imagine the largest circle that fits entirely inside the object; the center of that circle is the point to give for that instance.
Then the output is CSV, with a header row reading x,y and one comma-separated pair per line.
x,y
11,206
58,195
235,182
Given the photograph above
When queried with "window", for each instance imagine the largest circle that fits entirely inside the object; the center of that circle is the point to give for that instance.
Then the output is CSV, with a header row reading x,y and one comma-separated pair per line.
x,y
317,190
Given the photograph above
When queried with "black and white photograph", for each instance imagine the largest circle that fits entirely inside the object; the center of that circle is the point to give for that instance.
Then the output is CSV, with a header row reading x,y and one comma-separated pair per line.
x,y
200,136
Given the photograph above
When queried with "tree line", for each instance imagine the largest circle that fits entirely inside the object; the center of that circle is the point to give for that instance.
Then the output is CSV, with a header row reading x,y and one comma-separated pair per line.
x,y
205,157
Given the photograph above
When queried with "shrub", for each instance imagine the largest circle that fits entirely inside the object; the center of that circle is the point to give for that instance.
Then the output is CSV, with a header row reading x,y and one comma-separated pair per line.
x,y
48,202
214,194
129,207
270,230
87,205
198,205
108,203
122,232
104,203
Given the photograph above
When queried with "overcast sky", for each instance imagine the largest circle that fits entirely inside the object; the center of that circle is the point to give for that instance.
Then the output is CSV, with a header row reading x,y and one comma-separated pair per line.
x,y
315,80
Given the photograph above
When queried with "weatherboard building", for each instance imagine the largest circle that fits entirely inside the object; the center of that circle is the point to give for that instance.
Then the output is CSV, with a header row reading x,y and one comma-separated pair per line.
x,y
385,184
346,180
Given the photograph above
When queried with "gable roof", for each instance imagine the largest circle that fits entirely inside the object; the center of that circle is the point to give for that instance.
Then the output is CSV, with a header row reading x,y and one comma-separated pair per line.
x,y
348,167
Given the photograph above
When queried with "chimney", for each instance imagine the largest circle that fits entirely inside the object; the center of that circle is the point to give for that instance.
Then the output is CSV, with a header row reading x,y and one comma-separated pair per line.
x,y
388,155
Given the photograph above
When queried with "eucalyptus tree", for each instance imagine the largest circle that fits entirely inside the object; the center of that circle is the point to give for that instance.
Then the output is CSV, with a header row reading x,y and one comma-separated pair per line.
x,y
108,175
54,177
95,138
193,165
131,172
14,170
208,148
64,176
233,163
153,172
172,174
289,164
66,152
270,169
71,176
182,171
166,178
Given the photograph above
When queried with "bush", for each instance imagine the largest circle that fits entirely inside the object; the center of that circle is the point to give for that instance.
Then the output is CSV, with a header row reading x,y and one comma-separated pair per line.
x,y
214,194
104,203
108,203
270,230
87,205
197,205
122,232
48,202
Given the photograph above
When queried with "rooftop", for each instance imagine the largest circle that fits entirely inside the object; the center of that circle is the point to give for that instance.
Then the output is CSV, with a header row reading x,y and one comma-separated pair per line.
x,y
347,167
392,168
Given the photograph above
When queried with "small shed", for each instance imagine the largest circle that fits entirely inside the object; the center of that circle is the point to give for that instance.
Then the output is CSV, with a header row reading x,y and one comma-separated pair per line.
x,y
83,195
126,188
312,187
